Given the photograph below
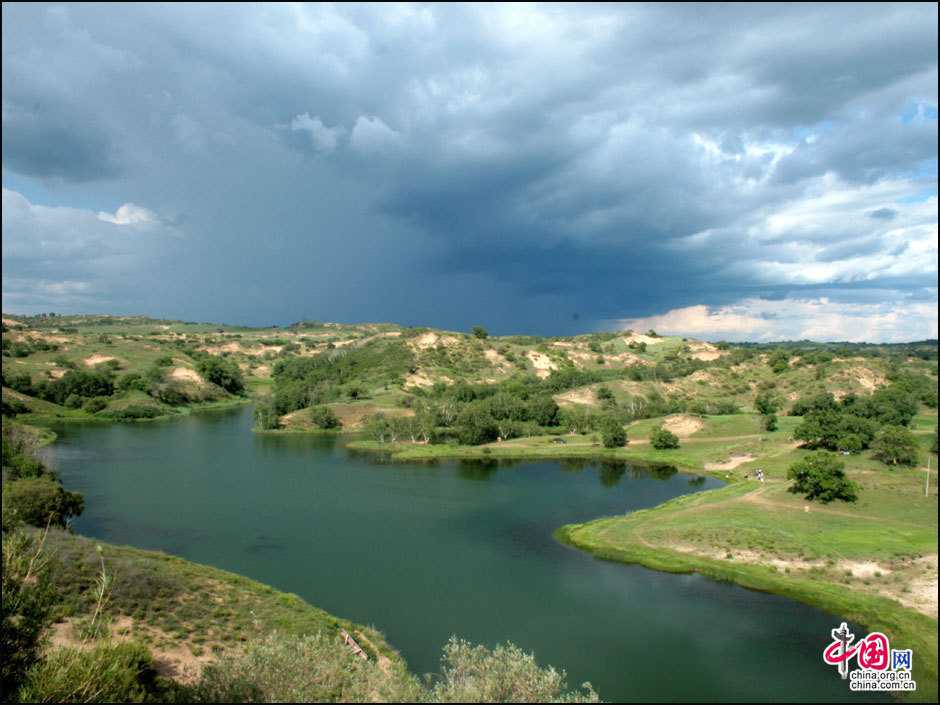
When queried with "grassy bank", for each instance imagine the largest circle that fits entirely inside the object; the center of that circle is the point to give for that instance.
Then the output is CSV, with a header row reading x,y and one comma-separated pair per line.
x,y
185,612
857,563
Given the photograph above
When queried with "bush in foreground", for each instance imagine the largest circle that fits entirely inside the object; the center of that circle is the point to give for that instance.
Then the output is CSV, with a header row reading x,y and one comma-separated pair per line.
x,y
25,607
821,476
318,668
107,673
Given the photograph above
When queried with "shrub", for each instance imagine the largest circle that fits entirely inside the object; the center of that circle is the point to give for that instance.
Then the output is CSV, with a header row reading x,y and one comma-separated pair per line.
x,y
324,417
133,412
40,500
475,425
821,476
19,382
896,445
662,439
95,404
315,668
505,674
613,434
25,607
223,372
132,381
604,394
479,332
108,673
769,422
767,403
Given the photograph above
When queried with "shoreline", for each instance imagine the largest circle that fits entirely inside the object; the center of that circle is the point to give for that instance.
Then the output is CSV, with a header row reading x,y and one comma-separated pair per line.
x,y
905,626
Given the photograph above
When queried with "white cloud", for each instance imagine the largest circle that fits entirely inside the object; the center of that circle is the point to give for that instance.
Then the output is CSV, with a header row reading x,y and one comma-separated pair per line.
x,y
797,319
128,214
371,135
323,138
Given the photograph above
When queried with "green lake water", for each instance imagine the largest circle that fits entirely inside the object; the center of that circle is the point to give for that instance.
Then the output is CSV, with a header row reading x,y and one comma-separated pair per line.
x,y
426,551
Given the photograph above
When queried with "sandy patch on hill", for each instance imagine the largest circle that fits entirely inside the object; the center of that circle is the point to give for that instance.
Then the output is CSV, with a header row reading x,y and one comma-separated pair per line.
x,y
12,324
863,569
57,372
682,424
639,338
185,374
922,590
96,359
584,395
868,379
431,340
581,359
494,358
48,338
422,379
731,463
418,379
706,352
542,363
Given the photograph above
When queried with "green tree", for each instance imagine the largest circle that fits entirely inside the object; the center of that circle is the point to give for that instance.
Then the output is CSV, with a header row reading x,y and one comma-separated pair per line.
x,y
896,445
821,476
479,332
223,372
663,439
613,434
767,403
769,422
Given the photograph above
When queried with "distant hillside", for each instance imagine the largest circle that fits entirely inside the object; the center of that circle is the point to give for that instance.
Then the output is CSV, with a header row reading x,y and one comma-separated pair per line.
x,y
153,368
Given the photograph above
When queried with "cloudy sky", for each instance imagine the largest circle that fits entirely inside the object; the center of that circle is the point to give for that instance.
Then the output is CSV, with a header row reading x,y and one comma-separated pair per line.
x,y
726,171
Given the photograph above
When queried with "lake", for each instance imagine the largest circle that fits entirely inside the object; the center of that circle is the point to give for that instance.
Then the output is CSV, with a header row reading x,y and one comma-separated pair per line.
x,y
423,552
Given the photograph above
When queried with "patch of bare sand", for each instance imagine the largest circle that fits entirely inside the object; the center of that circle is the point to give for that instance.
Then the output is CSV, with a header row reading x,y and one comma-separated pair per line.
x,y
425,341
10,323
922,589
97,359
682,424
585,395
496,359
705,352
418,379
867,378
731,463
57,372
542,363
185,374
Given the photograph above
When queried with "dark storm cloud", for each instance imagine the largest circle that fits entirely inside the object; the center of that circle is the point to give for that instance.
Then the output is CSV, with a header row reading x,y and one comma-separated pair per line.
x,y
449,164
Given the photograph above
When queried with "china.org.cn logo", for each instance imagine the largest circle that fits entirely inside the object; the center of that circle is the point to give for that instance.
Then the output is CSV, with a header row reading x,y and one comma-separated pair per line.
x,y
877,665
